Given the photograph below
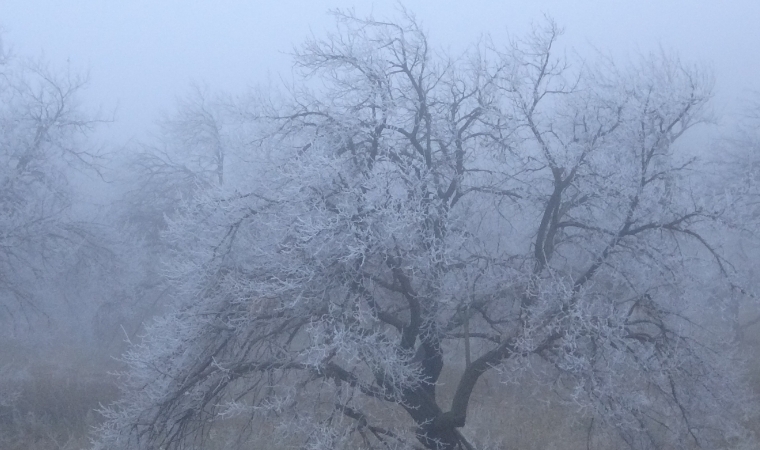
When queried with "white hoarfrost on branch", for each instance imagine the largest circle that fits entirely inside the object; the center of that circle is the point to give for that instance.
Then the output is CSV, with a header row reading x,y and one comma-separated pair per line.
x,y
408,212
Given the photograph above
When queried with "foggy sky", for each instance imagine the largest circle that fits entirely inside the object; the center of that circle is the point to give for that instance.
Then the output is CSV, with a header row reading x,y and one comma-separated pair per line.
x,y
142,54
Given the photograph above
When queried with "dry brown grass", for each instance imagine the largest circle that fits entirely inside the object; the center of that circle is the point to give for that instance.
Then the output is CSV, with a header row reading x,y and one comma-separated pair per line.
x,y
49,401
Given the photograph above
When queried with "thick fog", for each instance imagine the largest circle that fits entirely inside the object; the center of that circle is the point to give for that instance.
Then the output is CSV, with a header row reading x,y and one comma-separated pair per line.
x,y
342,225
141,55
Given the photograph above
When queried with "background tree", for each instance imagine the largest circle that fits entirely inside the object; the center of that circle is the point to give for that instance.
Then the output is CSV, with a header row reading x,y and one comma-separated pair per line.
x,y
738,152
60,259
409,214
43,133
187,155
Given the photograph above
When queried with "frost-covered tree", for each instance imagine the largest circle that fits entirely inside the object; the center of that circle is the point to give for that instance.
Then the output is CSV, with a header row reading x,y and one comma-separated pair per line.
x,y
43,136
187,155
740,157
409,214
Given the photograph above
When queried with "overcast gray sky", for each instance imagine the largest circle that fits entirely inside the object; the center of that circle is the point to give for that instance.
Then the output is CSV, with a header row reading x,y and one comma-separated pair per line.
x,y
141,54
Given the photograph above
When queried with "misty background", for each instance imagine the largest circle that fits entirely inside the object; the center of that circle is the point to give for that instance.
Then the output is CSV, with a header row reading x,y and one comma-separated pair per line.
x,y
142,55
147,63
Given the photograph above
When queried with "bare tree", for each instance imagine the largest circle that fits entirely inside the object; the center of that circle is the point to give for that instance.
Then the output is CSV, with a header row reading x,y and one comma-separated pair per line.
x,y
43,134
409,214
738,152
188,154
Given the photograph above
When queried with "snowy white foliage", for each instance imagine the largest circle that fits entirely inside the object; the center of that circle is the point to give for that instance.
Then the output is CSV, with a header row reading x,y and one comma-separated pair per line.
x,y
537,210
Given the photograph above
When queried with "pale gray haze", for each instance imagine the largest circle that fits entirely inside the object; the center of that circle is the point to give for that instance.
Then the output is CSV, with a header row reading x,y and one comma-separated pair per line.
x,y
141,54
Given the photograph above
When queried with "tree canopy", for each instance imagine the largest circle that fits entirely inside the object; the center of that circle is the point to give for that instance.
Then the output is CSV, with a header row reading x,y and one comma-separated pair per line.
x,y
397,213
